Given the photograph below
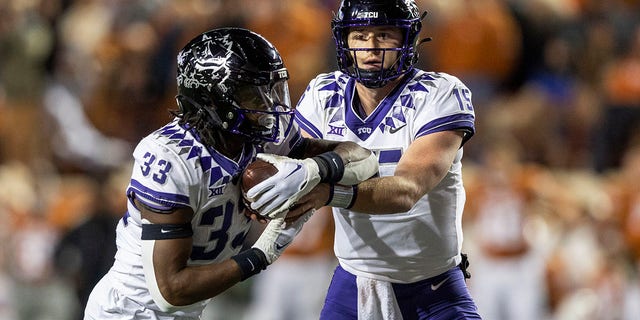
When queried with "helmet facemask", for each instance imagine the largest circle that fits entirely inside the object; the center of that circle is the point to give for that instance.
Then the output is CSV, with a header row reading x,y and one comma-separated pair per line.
x,y
358,14
380,77
262,112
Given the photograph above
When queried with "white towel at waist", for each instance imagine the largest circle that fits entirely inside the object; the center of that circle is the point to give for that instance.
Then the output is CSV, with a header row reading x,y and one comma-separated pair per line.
x,y
376,300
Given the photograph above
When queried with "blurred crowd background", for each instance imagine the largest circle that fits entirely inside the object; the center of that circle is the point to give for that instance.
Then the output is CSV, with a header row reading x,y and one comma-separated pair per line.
x,y
552,225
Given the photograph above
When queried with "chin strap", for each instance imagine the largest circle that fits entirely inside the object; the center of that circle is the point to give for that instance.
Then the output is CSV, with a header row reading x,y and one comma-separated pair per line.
x,y
427,39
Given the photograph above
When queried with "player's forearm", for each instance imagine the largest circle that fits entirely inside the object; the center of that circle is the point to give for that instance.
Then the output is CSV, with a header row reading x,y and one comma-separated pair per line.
x,y
420,170
197,283
171,281
386,196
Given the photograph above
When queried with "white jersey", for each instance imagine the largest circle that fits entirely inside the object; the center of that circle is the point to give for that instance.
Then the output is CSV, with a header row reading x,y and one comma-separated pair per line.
x,y
174,169
425,241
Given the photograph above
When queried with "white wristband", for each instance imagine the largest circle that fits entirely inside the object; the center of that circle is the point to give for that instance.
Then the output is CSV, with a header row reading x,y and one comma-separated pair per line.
x,y
342,196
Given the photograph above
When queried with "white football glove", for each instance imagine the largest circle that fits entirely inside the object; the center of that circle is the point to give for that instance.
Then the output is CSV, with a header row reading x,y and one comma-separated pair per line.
x,y
295,178
278,235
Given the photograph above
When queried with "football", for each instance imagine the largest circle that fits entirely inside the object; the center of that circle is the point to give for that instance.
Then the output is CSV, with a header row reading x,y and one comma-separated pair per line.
x,y
256,172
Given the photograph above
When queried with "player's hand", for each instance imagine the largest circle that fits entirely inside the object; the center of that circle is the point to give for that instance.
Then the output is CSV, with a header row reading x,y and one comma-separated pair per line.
x,y
295,178
278,235
315,199
255,217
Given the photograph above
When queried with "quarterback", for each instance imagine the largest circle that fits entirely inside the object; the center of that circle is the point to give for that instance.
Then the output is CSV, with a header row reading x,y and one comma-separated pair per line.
x,y
398,236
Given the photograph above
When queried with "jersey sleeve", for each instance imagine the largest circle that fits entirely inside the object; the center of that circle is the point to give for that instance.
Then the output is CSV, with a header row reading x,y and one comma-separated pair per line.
x,y
447,108
308,112
160,178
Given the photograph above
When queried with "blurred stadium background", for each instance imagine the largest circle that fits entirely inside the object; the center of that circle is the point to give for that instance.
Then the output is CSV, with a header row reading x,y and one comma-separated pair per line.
x,y
553,173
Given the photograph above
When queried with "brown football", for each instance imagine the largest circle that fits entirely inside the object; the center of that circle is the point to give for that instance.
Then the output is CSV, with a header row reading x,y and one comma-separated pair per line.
x,y
256,172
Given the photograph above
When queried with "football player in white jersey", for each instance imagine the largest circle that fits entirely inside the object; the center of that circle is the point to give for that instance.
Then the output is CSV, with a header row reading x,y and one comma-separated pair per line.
x,y
398,236
179,244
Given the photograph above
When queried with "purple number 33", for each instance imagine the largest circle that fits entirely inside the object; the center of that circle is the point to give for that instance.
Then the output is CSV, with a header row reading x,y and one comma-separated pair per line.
x,y
159,168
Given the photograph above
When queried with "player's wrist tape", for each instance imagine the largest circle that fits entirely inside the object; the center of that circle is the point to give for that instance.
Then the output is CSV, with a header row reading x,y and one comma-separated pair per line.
x,y
251,262
342,196
330,165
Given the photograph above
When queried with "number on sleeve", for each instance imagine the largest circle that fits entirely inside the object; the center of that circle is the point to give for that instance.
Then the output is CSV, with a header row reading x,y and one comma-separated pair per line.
x,y
160,168
464,98
164,168
146,166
